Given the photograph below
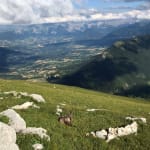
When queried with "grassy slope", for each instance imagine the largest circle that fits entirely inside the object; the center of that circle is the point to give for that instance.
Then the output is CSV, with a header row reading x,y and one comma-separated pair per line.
x,y
77,100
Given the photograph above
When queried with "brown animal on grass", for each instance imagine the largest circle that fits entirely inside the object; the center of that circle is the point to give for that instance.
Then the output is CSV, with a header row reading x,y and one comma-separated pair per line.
x,y
67,119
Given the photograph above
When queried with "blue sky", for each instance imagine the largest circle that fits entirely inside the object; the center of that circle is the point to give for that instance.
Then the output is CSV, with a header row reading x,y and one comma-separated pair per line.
x,y
47,11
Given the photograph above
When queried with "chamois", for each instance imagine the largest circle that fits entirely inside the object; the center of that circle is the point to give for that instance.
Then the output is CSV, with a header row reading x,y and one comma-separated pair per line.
x,y
67,119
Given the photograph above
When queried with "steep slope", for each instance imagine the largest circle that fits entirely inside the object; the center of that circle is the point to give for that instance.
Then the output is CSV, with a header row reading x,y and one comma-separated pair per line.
x,y
112,113
120,69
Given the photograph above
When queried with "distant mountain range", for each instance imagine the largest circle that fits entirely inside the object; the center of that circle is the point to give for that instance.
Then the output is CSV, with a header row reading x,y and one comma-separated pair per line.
x,y
104,31
121,69
127,31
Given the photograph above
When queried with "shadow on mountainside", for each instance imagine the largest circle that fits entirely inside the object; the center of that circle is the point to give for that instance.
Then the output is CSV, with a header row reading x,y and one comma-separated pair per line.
x,y
142,91
99,74
4,56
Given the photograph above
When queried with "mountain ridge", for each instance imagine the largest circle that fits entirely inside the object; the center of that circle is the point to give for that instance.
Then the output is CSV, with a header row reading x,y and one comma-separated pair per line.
x,y
119,68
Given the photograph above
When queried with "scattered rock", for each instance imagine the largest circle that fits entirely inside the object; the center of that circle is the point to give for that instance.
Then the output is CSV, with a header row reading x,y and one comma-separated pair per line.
x,y
92,110
37,146
38,131
7,137
14,93
15,120
26,105
1,98
18,123
62,104
113,133
35,97
136,118
101,134
7,134
38,98
58,110
25,94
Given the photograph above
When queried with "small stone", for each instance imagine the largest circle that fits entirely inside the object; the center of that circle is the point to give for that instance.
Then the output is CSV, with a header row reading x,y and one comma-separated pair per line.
x,y
37,146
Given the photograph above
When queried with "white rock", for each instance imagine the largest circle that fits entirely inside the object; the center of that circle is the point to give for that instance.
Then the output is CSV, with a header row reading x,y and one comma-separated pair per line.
x,y
38,131
37,146
9,146
15,120
24,94
26,105
14,93
143,120
113,133
7,137
35,106
101,134
58,110
1,98
57,113
7,134
92,110
37,98
136,118
62,104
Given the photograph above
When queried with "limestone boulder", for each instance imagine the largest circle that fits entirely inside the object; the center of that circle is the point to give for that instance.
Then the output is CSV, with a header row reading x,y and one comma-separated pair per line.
x,y
7,137
15,120
38,98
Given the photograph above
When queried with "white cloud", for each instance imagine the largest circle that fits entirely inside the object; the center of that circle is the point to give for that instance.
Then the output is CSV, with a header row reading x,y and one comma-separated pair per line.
x,y
139,14
42,11
32,11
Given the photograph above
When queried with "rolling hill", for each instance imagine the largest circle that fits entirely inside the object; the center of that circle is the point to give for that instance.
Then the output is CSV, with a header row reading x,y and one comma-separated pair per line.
x,y
112,113
121,69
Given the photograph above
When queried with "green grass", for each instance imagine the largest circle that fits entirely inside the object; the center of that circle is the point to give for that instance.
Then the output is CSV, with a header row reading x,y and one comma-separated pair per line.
x,y
77,100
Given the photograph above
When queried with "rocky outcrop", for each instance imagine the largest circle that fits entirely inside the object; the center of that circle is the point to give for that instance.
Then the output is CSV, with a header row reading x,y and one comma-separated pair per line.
x,y
7,137
37,131
36,97
113,133
26,105
136,119
15,120
18,123
9,147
